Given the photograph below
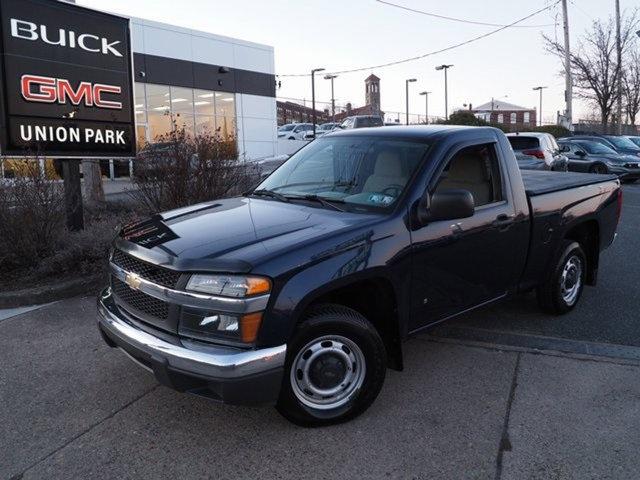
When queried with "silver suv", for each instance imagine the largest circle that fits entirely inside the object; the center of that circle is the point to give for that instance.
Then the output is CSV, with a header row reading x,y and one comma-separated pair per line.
x,y
539,145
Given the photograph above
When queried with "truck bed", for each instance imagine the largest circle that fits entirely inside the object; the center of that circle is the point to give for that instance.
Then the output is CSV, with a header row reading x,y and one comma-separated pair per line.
x,y
539,183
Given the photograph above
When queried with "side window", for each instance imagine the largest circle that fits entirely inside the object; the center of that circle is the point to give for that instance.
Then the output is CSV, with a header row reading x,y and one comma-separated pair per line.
x,y
475,169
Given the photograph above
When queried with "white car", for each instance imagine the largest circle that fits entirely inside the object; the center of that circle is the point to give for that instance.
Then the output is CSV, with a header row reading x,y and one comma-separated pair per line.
x,y
540,145
294,131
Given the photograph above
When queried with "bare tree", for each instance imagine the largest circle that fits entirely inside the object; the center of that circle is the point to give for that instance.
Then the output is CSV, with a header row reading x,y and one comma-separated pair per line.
x,y
631,84
593,63
182,169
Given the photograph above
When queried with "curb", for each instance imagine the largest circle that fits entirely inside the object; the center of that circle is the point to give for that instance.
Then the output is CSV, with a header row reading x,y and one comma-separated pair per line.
x,y
51,292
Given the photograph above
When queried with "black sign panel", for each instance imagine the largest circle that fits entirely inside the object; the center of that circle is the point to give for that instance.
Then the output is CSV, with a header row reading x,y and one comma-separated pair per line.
x,y
67,86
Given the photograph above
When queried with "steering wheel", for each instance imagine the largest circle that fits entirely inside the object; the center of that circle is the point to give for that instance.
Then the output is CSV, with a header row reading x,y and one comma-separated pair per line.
x,y
393,190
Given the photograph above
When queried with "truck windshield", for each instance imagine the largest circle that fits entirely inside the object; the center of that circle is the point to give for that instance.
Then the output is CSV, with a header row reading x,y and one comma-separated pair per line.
x,y
360,173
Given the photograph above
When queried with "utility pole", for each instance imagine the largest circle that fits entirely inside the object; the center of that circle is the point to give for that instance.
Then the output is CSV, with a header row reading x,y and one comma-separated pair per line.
x,y
568,80
313,97
446,94
619,55
333,100
540,111
407,82
426,106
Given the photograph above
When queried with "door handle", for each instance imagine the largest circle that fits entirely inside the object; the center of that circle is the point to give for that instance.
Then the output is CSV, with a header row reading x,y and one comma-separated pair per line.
x,y
503,221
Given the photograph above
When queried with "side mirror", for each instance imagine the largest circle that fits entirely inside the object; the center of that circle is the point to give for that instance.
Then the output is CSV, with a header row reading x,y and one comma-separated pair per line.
x,y
581,153
446,205
564,148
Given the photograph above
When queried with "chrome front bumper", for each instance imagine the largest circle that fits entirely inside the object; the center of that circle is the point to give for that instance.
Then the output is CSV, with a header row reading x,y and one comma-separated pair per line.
x,y
231,375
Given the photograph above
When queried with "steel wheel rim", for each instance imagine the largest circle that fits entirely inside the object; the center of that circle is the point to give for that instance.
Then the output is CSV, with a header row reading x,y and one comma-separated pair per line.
x,y
332,349
571,279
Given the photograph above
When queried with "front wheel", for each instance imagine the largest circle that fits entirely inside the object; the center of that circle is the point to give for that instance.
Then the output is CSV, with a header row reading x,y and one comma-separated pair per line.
x,y
599,168
562,290
335,368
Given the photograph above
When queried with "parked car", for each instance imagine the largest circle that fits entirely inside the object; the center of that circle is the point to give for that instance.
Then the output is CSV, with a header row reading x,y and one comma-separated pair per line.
x,y
320,130
300,292
635,139
361,121
294,131
594,157
621,145
530,162
539,145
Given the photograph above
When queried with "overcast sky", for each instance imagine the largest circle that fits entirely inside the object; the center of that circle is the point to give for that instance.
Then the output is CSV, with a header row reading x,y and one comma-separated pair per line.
x,y
345,34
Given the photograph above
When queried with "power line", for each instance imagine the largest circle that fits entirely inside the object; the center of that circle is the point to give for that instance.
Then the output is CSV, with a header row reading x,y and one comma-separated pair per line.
x,y
453,19
419,57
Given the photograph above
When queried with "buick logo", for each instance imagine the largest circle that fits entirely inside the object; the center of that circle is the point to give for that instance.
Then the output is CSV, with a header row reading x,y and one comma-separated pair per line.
x,y
133,281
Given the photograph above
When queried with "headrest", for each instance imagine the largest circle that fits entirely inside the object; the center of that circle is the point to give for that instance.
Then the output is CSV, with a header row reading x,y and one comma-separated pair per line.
x,y
468,167
388,164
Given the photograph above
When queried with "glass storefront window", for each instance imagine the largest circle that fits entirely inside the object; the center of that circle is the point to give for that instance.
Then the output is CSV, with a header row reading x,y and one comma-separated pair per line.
x,y
225,104
205,125
158,98
225,127
181,100
203,102
159,124
159,107
186,121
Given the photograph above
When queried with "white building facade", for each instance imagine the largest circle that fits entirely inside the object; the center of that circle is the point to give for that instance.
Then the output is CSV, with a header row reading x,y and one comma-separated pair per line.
x,y
204,83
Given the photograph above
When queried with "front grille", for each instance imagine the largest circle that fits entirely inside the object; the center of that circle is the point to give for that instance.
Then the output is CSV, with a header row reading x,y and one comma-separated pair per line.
x,y
140,301
161,276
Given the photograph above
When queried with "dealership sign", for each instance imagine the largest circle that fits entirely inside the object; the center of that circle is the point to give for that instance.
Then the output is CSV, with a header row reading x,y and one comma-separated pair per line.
x,y
66,81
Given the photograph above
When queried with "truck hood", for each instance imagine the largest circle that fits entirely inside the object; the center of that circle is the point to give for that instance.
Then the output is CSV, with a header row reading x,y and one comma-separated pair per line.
x,y
235,234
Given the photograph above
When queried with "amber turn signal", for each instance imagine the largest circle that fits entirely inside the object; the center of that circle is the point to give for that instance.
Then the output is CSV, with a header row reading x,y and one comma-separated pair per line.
x,y
257,285
249,326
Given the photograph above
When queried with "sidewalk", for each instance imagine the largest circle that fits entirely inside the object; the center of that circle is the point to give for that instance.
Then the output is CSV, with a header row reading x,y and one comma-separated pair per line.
x,y
73,408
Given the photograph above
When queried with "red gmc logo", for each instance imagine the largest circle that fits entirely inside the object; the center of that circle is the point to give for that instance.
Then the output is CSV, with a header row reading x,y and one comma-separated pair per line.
x,y
35,88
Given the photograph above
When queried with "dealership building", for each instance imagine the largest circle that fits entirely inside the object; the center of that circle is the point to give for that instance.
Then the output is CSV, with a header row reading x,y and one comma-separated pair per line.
x,y
207,82
72,71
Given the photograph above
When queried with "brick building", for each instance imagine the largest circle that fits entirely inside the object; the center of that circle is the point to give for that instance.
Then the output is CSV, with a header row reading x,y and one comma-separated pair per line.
x,y
504,113
290,112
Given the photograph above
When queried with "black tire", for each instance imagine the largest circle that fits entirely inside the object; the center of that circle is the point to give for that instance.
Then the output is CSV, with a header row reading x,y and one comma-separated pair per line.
x,y
598,168
552,297
338,322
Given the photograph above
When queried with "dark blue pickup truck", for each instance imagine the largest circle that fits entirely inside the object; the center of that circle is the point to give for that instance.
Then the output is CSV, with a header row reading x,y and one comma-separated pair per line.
x,y
300,293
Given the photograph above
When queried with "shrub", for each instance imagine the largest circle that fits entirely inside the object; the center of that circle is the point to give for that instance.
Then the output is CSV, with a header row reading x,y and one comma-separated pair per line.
x,y
557,131
180,169
31,218
464,117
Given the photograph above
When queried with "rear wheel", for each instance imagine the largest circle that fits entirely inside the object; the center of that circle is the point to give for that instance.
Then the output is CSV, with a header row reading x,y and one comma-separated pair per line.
x,y
336,364
598,168
562,290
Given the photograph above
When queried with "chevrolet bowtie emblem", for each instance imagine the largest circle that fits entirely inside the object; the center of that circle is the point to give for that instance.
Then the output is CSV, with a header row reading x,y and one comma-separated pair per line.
x,y
133,280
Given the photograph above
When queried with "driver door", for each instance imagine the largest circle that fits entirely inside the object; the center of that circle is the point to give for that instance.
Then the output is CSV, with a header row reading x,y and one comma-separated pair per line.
x,y
462,263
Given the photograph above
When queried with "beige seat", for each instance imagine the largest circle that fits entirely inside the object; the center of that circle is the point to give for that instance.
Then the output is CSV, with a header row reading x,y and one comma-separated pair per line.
x,y
386,172
469,172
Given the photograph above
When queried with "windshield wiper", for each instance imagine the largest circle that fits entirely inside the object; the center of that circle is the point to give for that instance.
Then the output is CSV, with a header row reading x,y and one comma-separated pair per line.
x,y
270,193
324,202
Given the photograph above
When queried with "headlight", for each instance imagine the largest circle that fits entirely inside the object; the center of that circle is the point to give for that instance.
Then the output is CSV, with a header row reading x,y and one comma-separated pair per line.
x,y
216,326
228,285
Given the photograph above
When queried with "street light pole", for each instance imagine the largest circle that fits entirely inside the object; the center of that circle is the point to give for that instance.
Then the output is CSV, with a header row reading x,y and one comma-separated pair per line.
x,y
540,111
407,97
426,106
333,100
313,97
446,93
